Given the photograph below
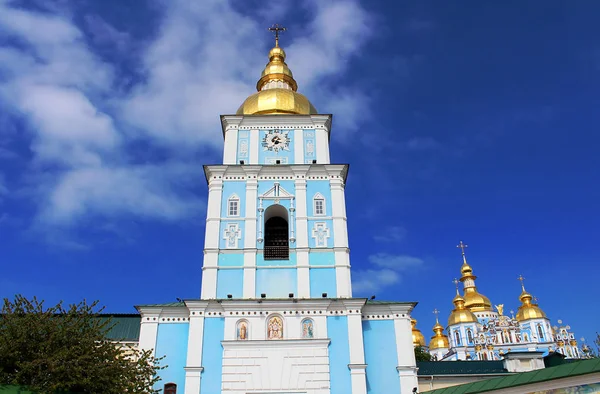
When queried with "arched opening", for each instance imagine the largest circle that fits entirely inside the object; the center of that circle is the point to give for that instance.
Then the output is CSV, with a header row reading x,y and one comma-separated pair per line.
x,y
277,239
457,337
170,388
470,336
540,332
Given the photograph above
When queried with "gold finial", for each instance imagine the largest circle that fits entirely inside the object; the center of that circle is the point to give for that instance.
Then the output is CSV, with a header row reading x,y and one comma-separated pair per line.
x,y
535,299
276,29
436,313
521,279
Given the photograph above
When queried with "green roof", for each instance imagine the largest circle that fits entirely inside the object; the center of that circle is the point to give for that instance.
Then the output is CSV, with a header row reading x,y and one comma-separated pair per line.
x,y
166,304
541,375
428,368
126,327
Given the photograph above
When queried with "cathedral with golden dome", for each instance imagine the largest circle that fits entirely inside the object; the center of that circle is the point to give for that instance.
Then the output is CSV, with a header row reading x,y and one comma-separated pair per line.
x,y
476,332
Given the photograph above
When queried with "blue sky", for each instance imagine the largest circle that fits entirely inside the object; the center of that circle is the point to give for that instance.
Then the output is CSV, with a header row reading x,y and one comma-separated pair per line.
x,y
473,121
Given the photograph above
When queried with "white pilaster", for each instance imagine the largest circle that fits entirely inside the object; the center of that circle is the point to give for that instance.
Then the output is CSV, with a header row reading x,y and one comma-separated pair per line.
x,y
298,147
322,142
230,146
193,369
209,274
249,290
338,212
357,354
303,271
342,273
213,212
407,365
254,145
148,329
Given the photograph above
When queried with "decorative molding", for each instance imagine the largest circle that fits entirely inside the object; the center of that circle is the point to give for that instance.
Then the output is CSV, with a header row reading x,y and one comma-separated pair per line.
x,y
320,234
232,234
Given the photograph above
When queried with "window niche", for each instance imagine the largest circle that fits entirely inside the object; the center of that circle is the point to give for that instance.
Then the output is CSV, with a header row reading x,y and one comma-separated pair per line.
x,y
319,205
277,238
233,206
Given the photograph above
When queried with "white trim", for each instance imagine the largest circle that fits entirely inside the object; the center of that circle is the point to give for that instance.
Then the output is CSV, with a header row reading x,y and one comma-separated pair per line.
x,y
230,145
298,146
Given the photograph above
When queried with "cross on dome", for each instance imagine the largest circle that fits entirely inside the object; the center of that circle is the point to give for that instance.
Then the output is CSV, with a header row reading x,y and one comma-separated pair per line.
x,y
462,247
436,313
521,279
277,29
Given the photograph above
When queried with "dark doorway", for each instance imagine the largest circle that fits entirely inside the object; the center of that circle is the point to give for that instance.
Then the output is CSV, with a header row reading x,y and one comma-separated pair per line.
x,y
277,246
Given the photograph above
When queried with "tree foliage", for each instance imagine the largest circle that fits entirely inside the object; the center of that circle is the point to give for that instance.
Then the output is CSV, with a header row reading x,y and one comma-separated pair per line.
x,y
422,354
65,349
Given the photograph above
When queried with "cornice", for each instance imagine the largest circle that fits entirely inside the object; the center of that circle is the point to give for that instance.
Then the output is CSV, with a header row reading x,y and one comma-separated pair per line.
x,y
306,172
274,343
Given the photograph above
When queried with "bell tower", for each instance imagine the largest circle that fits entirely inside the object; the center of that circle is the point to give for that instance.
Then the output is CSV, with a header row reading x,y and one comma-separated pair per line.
x,y
276,220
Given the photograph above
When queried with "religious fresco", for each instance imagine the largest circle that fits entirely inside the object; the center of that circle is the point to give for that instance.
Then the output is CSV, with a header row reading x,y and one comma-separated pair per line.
x,y
307,329
242,330
275,328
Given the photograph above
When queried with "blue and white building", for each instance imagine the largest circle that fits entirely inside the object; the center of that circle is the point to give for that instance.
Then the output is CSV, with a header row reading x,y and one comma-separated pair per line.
x,y
276,312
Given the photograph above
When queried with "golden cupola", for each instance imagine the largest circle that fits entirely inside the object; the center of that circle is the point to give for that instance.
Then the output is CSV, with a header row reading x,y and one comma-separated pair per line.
x,y
439,340
276,89
528,309
460,314
417,336
474,301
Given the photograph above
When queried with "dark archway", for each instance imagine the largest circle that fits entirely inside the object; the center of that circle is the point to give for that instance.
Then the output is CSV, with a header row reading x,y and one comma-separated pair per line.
x,y
277,244
170,388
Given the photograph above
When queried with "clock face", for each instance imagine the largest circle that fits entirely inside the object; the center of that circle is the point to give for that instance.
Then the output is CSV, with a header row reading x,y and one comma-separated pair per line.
x,y
276,140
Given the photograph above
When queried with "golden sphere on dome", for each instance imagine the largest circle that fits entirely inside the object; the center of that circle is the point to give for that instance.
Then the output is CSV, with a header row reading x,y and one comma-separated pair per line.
x,y
276,91
461,314
417,335
439,340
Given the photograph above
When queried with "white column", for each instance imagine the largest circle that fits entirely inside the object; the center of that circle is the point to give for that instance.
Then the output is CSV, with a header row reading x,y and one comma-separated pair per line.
x,y
342,273
230,146
254,146
407,365
148,329
193,369
298,147
209,274
249,290
357,354
213,212
338,212
322,142
303,269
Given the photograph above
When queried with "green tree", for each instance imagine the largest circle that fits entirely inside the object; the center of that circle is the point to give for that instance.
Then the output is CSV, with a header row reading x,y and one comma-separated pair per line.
x,y
58,349
421,354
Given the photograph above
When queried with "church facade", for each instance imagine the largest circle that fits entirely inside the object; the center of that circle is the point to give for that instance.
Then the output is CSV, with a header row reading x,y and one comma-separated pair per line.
x,y
276,312
475,331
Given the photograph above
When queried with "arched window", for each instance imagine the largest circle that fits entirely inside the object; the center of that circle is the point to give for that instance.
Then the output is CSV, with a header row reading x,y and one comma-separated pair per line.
x,y
540,332
277,241
469,336
233,206
457,337
319,205
170,388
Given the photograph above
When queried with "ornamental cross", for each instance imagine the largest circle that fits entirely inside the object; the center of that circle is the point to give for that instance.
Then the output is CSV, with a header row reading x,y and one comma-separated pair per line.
x,y
436,313
521,279
462,247
455,281
277,29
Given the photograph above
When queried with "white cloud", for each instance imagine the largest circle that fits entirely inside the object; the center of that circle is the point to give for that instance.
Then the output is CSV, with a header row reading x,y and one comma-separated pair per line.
x,y
386,271
198,67
391,234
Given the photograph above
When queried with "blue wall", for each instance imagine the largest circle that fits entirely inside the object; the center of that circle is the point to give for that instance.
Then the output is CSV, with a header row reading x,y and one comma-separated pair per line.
x,y
231,259
230,188
325,258
212,355
261,262
318,186
276,282
339,355
309,138
322,280
171,341
380,356
230,281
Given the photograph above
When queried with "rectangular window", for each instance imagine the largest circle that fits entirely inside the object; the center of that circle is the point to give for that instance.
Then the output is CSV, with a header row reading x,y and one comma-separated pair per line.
x,y
319,207
233,207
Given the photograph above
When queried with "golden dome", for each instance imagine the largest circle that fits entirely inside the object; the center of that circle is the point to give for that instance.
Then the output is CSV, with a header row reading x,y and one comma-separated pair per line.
x,y
528,310
474,301
417,336
460,314
276,90
439,340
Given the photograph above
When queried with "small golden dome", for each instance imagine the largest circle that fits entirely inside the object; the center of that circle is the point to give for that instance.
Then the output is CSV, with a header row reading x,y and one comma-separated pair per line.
x,y
528,310
417,335
475,301
461,314
439,340
276,90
